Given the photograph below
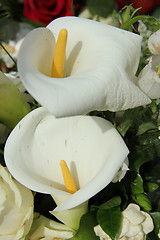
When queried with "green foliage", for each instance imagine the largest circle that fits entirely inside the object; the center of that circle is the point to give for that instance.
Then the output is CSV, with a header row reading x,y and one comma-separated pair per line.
x,y
142,200
110,221
113,202
151,187
11,9
137,185
85,231
101,7
156,220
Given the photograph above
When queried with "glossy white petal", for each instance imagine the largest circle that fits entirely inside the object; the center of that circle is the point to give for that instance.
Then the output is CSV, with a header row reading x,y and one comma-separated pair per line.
x,y
100,66
91,146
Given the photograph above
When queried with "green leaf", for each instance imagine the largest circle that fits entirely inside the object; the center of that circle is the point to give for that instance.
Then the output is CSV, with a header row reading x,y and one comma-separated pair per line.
x,y
153,106
143,201
151,187
129,23
124,126
156,220
144,127
110,221
153,172
113,202
137,185
141,155
85,231
101,7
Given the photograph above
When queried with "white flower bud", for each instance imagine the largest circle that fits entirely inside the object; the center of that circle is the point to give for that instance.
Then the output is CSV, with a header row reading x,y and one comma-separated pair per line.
x,y
16,208
148,80
154,43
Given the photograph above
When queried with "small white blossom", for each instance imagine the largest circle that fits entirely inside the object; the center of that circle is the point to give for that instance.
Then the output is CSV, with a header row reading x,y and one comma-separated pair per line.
x,y
149,78
134,226
13,48
86,13
122,171
16,208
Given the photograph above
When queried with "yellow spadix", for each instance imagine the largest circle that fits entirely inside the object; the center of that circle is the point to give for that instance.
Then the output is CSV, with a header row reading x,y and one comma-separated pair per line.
x,y
68,179
59,54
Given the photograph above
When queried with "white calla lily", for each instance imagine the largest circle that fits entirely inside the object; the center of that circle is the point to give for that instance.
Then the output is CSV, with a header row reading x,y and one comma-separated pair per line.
x,y
99,69
91,146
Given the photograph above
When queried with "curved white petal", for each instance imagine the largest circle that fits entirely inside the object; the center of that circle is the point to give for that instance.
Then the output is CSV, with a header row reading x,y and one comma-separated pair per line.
x,y
154,43
91,146
100,66
149,80
45,228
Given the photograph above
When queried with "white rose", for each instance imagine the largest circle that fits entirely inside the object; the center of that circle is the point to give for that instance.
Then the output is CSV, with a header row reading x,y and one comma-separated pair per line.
x,y
134,226
16,208
47,229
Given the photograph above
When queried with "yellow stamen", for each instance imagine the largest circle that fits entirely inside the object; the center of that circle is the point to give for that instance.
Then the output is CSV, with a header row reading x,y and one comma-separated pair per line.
x,y
158,67
59,54
158,72
68,180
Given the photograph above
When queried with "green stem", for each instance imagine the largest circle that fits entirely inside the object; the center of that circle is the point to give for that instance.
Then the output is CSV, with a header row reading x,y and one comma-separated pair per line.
x,y
7,53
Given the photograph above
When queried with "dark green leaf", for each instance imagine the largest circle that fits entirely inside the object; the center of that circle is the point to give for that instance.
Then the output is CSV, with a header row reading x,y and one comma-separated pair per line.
x,y
101,7
144,127
152,171
110,221
141,155
156,220
124,126
113,202
85,231
151,187
137,185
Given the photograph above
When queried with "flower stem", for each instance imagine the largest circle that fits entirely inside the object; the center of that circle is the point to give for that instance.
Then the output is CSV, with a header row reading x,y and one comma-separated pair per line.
x,y
7,53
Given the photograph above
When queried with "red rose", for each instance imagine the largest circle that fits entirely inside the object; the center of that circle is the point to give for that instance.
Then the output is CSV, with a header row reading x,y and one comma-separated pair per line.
x,y
43,11
147,5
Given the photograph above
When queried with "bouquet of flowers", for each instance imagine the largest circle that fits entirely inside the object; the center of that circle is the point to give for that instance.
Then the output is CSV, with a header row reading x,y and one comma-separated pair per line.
x,y
79,133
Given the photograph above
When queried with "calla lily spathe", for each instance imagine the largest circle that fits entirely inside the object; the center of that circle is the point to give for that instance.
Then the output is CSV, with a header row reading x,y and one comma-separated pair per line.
x,y
99,69
91,146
